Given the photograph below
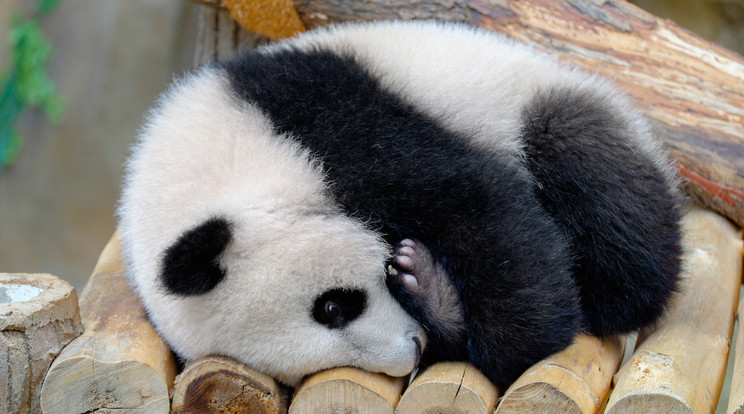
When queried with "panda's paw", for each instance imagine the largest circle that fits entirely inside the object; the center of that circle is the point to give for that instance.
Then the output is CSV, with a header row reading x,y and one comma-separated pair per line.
x,y
429,286
422,277
410,264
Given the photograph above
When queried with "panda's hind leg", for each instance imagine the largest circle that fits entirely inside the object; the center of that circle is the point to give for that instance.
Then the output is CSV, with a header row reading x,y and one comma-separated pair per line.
x,y
430,294
613,199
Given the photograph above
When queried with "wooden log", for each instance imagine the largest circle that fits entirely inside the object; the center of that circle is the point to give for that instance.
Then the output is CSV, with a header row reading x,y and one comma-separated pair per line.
x,y
449,387
119,363
214,4
576,380
680,365
347,390
736,396
276,19
39,315
222,385
220,37
690,88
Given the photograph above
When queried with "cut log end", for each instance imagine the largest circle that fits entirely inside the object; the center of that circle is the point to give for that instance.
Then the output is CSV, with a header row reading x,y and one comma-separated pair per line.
x,y
82,384
539,397
643,403
347,390
452,387
222,385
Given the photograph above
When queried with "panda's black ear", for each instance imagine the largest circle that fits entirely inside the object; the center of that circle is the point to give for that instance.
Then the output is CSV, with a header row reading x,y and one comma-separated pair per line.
x,y
191,265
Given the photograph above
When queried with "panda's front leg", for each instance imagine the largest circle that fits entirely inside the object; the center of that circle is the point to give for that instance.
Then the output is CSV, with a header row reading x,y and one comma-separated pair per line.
x,y
425,290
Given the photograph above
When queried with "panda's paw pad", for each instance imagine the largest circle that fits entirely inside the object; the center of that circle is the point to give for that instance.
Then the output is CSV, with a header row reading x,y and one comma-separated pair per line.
x,y
414,265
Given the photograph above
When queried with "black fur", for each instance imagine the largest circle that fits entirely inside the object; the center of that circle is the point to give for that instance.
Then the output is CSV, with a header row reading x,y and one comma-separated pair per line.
x,y
620,215
190,266
396,168
337,307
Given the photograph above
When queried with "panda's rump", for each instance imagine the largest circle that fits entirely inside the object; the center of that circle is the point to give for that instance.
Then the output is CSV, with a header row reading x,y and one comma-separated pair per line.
x,y
614,200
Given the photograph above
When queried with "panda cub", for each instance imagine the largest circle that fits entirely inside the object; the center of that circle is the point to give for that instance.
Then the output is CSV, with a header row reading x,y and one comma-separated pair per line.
x,y
376,195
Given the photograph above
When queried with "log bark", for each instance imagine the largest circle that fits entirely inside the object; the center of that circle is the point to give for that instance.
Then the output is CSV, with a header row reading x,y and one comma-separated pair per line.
x,y
690,88
119,363
576,380
38,316
680,365
449,387
222,385
347,390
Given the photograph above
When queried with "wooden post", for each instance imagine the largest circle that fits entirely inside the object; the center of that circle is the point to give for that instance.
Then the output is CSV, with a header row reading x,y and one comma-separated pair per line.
x,y
347,390
220,37
449,387
736,397
680,365
38,316
222,385
120,362
576,380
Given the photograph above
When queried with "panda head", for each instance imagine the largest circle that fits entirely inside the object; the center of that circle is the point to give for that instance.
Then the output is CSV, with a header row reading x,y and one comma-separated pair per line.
x,y
236,248
307,296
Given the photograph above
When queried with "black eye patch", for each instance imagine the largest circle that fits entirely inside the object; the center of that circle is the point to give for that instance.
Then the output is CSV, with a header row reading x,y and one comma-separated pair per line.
x,y
337,307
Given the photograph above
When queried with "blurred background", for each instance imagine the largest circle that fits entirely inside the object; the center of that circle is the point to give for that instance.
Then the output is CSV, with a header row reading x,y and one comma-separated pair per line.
x,y
109,61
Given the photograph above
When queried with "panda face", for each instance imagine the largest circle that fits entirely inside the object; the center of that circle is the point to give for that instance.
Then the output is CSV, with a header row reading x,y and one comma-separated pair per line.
x,y
263,300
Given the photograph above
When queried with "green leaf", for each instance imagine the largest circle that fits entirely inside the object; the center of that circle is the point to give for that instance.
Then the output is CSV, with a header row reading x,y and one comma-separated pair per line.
x,y
10,147
26,83
46,6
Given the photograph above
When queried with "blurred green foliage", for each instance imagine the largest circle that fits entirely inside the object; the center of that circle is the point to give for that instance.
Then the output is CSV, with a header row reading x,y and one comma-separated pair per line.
x,y
26,83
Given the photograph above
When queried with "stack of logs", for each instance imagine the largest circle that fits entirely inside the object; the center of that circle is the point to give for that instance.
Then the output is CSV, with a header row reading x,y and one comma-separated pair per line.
x,y
694,93
679,366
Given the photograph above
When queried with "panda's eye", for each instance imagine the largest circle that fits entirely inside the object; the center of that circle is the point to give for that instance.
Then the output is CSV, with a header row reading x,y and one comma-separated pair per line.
x,y
335,308
332,310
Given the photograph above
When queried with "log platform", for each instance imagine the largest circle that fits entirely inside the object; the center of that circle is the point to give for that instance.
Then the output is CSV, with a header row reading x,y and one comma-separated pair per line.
x,y
121,364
